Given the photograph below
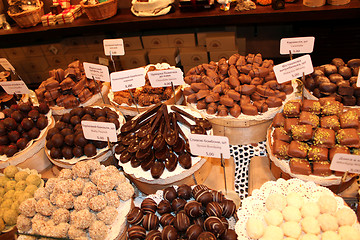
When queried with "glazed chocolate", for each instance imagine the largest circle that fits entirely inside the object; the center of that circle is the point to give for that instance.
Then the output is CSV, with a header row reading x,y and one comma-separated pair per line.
x,y
164,206
300,166
148,205
318,153
136,232
153,235
169,194
150,222
182,221
167,219
178,204
193,232
228,208
321,168
135,216
298,149
193,209
280,134
214,225
214,209
302,132
184,191
169,233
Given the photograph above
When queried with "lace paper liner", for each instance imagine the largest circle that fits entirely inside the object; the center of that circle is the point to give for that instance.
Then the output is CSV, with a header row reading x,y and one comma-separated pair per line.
x,y
255,204
158,196
243,117
196,162
98,151
285,167
4,158
151,8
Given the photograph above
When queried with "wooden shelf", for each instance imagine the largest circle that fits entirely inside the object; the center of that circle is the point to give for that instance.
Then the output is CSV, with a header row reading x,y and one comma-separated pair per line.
x,y
126,22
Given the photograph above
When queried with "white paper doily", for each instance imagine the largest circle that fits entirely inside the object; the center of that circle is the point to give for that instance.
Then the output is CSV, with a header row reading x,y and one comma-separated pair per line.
x,y
255,204
146,175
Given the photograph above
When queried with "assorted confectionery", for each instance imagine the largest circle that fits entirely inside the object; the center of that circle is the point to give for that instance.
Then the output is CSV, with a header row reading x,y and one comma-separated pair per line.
x,y
80,160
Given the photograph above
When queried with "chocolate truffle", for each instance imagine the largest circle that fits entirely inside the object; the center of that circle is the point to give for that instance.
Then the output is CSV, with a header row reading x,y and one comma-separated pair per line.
x,y
153,235
13,136
157,169
51,132
90,150
184,191
57,140
164,206
67,152
75,120
21,143
25,107
4,140
193,232
41,123
150,222
80,140
136,232
66,131
204,197
148,205
217,196
169,233
178,204
66,117
17,116
199,188
224,221
135,216
228,207
10,123
167,219
34,115
182,221
55,153
34,133
206,236
229,234
213,224
78,151
10,150
193,209
43,108
213,209
169,194
69,140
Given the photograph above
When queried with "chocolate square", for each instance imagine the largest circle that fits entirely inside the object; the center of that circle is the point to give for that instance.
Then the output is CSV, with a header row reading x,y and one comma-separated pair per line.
x,y
280,134
289,123
332,108
312,106
309,118
292,109
321,168
330,122
338,149
278,120
298,149
302,132
324,137
347,137
300,166
349,119
318,154
280,149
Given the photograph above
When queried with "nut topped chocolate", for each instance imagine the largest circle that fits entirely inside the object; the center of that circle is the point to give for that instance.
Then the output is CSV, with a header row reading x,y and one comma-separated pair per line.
x,y
215,219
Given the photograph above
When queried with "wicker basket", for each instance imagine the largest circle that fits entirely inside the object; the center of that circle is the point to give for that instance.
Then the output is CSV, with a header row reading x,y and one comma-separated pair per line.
x,y
29,18
100,11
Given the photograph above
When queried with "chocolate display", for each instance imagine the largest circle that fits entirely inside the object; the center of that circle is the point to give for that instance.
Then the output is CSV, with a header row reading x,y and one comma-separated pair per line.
x,y
313,132
241,84
66,140
23,122
67,88
337,79
194,221
155,141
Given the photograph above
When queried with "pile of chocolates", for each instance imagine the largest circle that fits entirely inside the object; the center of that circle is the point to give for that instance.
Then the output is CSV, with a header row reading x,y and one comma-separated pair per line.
x,y
185,213
67,88
144,96
154,141
242,84
336,79
21,123
66,139
311,132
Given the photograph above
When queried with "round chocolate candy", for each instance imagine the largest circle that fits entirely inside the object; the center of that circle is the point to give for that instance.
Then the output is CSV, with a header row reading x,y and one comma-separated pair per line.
x,y
229,234
182,221
80,140
34,133
150,222
164,206
193,232
193,209
224,221
55,153
153,235
136,232
67,152
167,219
169,194
169,233
148,205
78,151
184,191
213,209
135,216
206,236
41,123
204,197
228,207
33,114
178,204
28,124
199,221
217,196
90,150
78,111
44,108
213,224
17,116
199,188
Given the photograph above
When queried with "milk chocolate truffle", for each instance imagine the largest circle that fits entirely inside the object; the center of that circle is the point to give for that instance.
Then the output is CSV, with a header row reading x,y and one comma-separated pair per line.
x,y
21,143
204,197
55,153
135,216
41,123
164,206
213,224
10,150
34,133
67,152
169,233
57,140
228,207
213,209
224,221
136,232
229,234
193,232
193,209
199,188
182,221
199,221
178,204
150,221
167,219
169,194
78,151
17,116
10,123
148,205
153,235
44,108
184,191
206,236
90,150
217,196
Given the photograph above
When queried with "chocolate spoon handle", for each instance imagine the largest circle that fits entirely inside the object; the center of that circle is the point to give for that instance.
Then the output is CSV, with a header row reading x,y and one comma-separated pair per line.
x,y
186,114
204,123
197,129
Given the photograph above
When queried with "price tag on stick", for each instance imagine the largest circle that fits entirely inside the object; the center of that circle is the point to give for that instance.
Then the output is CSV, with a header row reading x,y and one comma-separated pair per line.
x,y
6,64
100,131
166,78
358,80
342,162
15,87
128,79
209,146
115,47
297,45
97,72
292,69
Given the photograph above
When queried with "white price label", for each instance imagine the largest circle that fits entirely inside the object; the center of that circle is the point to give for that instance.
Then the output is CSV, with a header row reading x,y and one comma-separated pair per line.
x,y
6,64
342,162
209,146
297,45
96,71
127,79
15,87
164,78
292,69
99,131
114,47
358,80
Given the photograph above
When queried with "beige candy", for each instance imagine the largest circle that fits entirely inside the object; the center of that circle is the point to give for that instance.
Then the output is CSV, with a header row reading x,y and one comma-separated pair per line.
x,y
275,201
273,233
255,228
349,233
309,237
291,213
327,203
310,225
310,209
330,235
291,229
295,199
273,217
345,216
328,222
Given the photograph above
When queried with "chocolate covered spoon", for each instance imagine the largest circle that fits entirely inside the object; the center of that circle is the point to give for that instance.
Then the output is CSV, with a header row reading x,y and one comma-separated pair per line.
x,y
194,129
159,141
199,121
147,141
171,161
170,135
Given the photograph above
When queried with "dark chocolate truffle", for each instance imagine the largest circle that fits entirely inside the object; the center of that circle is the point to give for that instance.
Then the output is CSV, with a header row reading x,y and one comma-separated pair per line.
x,y
136,232
17,116
66,117
169,194
228,207
13,136
164,206
25,107
55,153
217,196
10,150
34,133
153,235
27,124
169,233
213,209
204,197
90,150
57,140
44,108
21,143
67,152
148,205
135,216
167,219
78,111
51,132
80,140
229,234
193,209
41,123
78,151
184,191
75,120
213,224
69,140
206,236
199,188
150,222
10,123
4,140
193,232
66,131
34,115
99,112
182,221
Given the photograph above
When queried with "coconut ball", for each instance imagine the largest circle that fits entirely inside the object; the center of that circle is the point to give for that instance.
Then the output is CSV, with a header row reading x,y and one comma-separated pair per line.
x,y
23,223
98,230
41,193
21,175
10,171
27,207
